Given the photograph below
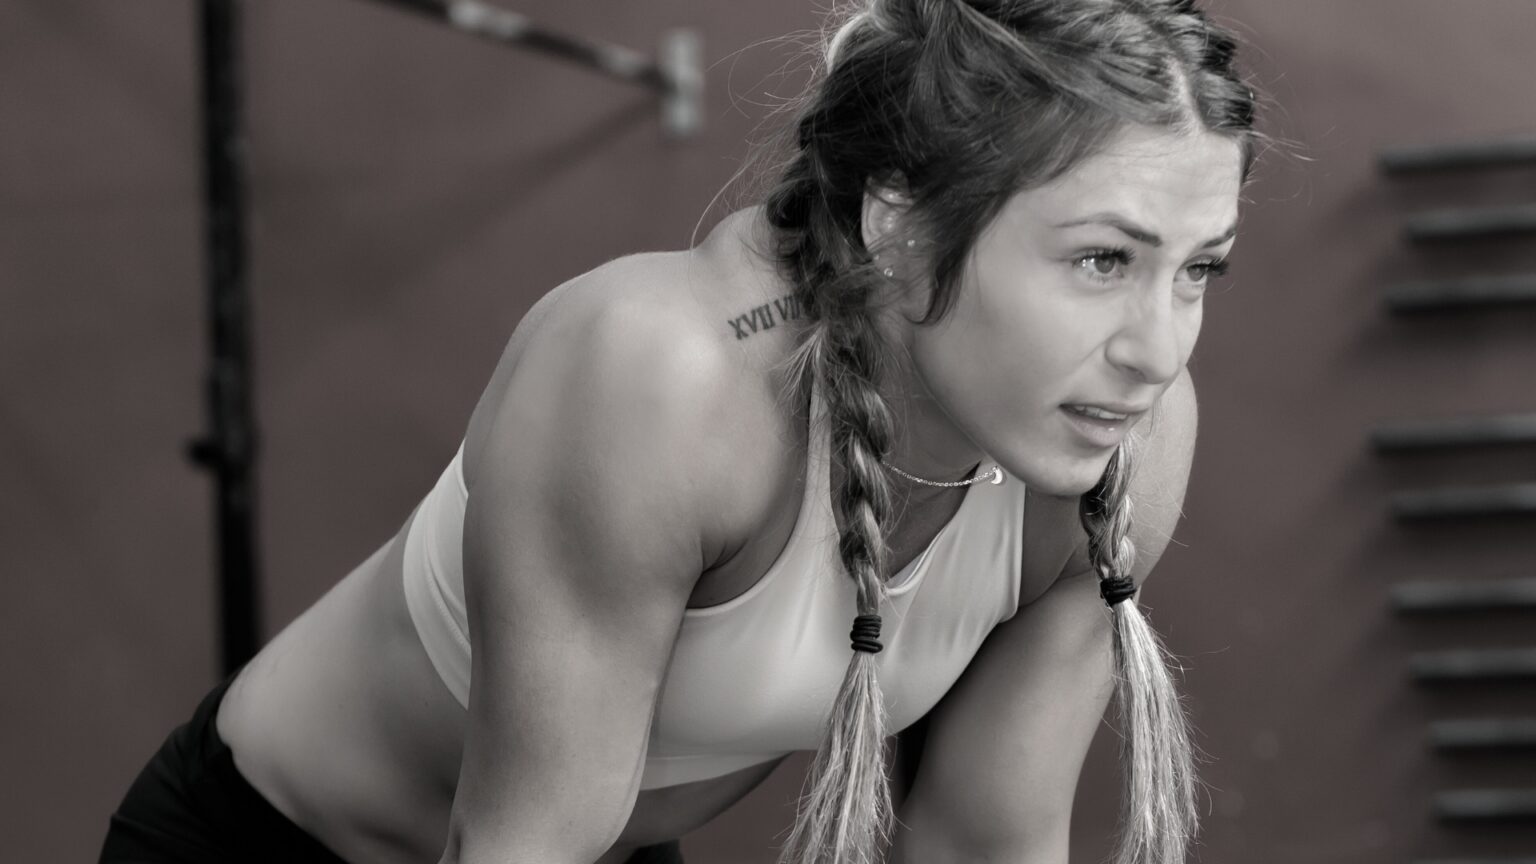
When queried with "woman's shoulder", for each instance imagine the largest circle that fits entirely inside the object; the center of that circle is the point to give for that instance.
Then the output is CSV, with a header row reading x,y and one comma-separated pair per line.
x,y
696,331
718,297
693,307
644,347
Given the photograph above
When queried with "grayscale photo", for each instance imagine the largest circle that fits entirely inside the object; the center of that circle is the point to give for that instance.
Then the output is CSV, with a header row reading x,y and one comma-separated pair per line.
x,y
772,432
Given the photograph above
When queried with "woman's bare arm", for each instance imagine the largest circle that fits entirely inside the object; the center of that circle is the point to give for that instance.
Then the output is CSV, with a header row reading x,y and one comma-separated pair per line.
x,y
1000,764
586,528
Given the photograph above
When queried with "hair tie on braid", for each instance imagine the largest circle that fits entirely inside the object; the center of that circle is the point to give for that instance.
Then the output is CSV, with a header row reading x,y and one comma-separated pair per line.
x,y
1116,589
866,634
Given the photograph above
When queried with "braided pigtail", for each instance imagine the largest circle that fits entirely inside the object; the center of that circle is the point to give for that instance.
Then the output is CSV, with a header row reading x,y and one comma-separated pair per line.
x,y
1158,819
846,814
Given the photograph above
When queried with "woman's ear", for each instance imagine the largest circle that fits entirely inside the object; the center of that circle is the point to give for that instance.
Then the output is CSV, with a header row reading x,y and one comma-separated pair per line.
x,y
885,205
888,236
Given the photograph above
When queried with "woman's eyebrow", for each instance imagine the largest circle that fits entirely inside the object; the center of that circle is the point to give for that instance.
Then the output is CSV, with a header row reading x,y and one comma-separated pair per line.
x,y
1138,233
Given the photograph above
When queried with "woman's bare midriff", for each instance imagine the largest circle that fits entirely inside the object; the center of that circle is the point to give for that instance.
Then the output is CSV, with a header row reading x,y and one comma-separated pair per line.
x,y
344,725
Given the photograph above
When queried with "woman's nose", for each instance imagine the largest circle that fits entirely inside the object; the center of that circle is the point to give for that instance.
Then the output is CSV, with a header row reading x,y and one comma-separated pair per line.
x,y
1146,345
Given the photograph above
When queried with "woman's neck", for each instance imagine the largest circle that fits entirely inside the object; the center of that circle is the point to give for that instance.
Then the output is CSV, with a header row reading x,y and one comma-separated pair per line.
x,y
927,443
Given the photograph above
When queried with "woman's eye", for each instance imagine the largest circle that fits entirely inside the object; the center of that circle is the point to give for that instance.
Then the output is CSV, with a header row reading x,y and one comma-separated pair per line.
x,y
1203,271
1103,265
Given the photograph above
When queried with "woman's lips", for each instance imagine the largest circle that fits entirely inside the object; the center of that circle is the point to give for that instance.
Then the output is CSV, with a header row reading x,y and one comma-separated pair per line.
x,y
1104,431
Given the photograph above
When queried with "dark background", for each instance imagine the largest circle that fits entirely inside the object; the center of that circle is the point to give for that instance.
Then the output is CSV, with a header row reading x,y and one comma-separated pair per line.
x,y
414,191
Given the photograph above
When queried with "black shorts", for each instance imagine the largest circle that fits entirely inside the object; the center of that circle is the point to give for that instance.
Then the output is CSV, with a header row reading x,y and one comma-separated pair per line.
x,y
190,805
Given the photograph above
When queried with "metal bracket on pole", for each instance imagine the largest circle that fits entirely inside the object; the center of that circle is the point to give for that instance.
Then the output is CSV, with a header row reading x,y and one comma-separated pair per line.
x,y
682,63
678,76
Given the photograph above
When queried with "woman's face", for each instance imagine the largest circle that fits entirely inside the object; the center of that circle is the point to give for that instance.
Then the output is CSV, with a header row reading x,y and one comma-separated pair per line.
x,y
1080,306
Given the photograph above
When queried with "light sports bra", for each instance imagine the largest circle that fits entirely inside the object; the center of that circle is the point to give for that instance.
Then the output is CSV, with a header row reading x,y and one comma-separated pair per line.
x,y
753,678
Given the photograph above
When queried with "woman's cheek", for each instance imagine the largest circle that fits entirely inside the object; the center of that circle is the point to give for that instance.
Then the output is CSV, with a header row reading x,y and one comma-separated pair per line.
x,y
1192,329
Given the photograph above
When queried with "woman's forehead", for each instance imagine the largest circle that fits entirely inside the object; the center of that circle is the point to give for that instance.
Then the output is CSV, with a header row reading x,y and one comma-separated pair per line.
x,y
1173,182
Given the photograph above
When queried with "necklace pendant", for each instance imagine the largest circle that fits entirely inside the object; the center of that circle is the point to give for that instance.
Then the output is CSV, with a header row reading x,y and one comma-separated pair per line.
x,y
994,476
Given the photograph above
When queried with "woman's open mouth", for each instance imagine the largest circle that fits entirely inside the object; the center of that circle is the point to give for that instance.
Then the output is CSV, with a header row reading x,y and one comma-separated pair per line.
x,y
1100,426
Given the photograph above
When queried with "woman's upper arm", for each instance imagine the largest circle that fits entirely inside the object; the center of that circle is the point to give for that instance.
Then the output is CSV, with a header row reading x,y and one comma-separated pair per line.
x,y
1000,764
584,534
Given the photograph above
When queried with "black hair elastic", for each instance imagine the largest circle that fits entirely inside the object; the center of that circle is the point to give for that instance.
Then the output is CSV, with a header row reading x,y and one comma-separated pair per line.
x,y
866,634
1116,589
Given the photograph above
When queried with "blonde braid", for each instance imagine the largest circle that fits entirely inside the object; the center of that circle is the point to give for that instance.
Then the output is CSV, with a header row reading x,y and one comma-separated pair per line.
x,y
845,816
1158,818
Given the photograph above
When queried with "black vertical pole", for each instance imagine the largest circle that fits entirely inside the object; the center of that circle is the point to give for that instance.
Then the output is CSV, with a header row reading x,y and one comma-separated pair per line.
x,y
228,450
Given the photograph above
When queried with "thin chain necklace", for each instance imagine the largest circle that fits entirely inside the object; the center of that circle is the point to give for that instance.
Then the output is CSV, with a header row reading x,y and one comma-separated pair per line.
x,y
994,475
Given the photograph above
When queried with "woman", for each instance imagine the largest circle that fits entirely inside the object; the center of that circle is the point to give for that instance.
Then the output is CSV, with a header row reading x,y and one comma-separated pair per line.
x,y
899,395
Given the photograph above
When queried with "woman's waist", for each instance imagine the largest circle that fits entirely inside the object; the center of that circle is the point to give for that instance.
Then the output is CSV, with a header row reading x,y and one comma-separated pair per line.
x,y
343,725
670,812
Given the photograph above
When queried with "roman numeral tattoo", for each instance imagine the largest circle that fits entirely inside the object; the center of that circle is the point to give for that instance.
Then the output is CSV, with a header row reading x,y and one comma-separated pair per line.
x,y
766,316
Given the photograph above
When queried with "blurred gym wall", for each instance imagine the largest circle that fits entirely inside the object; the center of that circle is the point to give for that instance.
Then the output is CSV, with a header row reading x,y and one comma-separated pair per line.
x,y
414,191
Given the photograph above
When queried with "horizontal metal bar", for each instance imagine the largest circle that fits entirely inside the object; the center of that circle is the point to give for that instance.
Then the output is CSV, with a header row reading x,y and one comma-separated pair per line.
x,y
507,27
1479,861
1486,804
1471,223
1473,665
1456,596
1452,432
1473,292
1459,502
1506,733
1448,157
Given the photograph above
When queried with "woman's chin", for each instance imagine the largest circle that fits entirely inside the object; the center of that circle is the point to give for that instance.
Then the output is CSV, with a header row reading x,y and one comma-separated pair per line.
x,y
1065,478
